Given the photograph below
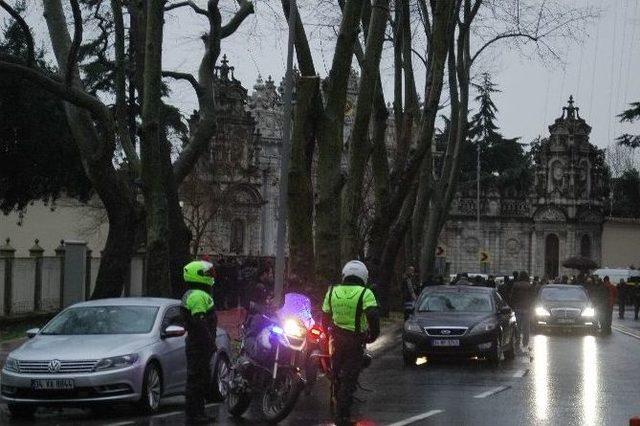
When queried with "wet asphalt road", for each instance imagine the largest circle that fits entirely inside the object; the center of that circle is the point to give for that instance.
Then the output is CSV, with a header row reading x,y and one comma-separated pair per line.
x,y
565,379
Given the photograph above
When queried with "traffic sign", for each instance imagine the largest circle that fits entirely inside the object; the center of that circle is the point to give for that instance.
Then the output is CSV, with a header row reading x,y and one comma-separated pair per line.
x,y
440,251
484,256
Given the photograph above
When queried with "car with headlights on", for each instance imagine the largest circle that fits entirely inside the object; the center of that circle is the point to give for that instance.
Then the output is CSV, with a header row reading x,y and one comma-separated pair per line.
x,y
105,351
564,306
462,321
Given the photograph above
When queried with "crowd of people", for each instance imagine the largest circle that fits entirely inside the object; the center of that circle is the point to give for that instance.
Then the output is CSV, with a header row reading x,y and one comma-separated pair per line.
x,y
241,279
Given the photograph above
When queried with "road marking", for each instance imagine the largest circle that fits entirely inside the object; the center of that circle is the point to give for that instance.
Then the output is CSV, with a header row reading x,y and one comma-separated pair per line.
x,y
416,418
624,331
159,416
521,373
492,392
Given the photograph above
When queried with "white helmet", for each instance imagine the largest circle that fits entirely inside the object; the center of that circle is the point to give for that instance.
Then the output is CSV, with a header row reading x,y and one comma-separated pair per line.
x,y
355,268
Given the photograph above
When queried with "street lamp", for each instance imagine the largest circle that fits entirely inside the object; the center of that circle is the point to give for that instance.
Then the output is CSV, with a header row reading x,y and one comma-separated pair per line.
x,y
284,157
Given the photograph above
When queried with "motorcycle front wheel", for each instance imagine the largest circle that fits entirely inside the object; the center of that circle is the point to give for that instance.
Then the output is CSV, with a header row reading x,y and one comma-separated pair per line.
x,y
280,396
237,402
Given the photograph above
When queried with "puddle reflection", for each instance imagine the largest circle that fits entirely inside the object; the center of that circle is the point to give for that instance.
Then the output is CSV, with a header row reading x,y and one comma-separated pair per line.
x,y
541,376
590,380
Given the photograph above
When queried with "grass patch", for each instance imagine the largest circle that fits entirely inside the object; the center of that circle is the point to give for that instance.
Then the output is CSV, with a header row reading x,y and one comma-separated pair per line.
x,y
17,329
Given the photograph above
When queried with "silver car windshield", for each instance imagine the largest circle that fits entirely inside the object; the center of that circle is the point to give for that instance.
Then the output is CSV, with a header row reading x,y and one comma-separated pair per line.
x,y
563,295
103,320
456,302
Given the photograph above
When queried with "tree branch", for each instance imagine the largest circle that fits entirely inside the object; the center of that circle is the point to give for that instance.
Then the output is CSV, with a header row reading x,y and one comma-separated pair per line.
x,y
190,4
25,28
500,37
71,94
72,58
120,88
184,76
246,9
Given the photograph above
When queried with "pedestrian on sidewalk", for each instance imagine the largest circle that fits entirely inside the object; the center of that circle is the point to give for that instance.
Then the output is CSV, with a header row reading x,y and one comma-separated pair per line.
x,y
622,297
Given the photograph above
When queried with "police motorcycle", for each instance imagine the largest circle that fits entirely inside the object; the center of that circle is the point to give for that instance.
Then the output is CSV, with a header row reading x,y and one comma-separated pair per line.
x,y
272,353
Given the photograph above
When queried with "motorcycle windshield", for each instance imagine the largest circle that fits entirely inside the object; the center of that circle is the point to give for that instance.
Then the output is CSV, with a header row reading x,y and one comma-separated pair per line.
x,y
298,306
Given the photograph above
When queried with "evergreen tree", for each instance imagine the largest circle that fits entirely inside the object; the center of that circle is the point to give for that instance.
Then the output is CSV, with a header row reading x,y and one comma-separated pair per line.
x,y
38,159
504,163
630,115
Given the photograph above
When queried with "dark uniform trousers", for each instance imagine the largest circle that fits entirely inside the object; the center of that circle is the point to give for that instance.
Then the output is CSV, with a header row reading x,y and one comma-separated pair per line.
x,y
348,351
199,350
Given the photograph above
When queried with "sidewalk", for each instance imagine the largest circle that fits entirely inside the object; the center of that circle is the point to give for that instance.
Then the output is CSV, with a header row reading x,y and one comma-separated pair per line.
x,y
628,323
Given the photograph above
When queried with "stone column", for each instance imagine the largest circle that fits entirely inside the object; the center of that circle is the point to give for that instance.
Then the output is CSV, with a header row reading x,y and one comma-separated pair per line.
x,y
75,265
60,250
36,252
7,253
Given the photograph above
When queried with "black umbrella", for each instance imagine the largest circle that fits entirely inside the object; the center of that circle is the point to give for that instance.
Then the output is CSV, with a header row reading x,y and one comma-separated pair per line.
x,y
581,263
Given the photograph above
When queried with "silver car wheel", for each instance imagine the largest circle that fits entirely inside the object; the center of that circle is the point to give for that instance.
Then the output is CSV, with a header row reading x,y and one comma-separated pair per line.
x,y
153,388
223,376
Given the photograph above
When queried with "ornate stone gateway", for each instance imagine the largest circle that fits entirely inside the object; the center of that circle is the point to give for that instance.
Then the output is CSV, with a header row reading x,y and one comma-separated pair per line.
x,y
560,215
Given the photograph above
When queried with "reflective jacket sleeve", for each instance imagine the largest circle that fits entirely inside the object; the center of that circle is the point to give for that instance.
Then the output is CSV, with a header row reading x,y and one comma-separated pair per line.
x,y
373,318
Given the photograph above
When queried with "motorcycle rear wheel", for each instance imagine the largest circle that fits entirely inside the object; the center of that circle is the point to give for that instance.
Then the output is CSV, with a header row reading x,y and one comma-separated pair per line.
x,y
237,403
279,398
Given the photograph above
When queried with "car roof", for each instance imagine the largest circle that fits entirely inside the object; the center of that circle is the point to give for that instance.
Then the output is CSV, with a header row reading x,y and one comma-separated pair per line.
x,y
563,286
129,301
459,289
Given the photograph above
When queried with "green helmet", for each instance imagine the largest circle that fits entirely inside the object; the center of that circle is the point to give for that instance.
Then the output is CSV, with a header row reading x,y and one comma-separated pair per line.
x,y
199,271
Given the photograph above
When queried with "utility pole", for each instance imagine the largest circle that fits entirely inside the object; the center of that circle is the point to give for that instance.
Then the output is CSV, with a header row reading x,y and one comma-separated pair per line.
x,y
478,203
285,153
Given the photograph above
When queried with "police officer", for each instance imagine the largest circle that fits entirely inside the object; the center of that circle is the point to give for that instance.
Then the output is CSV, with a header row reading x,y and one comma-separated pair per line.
x,y
200,322
352,309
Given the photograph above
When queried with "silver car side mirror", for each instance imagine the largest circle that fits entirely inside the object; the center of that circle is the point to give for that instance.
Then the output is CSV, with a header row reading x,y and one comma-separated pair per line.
x,y
31,333
173,331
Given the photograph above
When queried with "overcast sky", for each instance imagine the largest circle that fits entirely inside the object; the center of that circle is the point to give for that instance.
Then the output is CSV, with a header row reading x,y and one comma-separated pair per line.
x,y
603,73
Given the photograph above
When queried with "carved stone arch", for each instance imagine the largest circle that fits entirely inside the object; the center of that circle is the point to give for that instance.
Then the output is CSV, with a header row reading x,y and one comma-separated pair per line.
x,y
549,214
244,195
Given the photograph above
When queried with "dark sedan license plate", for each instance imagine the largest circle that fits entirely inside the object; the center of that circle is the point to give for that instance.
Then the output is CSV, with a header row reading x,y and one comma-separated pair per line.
x,y
56,384
446,342
565,321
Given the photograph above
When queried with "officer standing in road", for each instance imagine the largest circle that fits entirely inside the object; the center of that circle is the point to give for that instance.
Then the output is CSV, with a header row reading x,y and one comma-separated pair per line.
x,y
352,310
200,322
520,299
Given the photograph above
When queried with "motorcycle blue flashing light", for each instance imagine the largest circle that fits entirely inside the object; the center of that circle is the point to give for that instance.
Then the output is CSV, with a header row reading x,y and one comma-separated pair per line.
x,y
277,329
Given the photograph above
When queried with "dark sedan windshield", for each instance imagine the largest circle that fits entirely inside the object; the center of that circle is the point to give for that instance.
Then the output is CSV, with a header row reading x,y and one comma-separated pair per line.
x,y
456,302
103,320
567,294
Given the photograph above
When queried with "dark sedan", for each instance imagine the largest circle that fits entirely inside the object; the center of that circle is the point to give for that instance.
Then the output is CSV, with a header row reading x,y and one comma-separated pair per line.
x,y
459,320
564,306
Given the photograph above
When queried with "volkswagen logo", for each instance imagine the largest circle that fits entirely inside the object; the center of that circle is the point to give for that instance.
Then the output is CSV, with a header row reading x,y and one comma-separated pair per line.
x,y
445,332
54,366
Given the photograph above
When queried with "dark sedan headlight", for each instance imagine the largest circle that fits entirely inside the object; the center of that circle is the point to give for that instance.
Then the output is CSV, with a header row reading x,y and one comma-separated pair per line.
x,y
412,327
542,312
116,362
588,312
484,326
11,364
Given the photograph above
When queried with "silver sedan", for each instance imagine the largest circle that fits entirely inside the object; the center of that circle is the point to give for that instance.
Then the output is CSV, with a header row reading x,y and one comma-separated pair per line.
x,y
103,351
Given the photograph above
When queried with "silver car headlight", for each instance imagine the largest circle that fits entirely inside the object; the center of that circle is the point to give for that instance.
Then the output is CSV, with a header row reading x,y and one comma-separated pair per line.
x,y
412,327
12,364
484,326
116,362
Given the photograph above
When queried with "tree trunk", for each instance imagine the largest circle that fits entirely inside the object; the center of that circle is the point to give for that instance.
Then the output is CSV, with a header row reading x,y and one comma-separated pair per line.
x,y
300,195
155,152
330,140
359,147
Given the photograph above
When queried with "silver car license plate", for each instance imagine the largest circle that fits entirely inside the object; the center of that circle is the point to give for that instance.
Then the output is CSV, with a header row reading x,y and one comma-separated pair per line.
x,y
56,384
446,342
565,321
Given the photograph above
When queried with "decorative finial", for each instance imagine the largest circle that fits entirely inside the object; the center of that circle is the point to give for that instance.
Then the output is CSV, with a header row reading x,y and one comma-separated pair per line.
x,y
571,110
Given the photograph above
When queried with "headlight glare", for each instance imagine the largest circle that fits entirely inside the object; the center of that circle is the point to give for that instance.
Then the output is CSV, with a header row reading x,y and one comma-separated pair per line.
x,y
12,364
412,326
542,312
116,362
292,327
588,312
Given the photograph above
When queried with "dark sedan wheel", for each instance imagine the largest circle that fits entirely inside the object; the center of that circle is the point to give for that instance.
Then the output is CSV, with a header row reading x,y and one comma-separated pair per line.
x,y
510,352
22,411
496,352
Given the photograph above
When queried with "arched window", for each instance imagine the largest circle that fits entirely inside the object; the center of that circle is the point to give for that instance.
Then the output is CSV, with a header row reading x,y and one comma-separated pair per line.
x,y
551,256
236,245
585,246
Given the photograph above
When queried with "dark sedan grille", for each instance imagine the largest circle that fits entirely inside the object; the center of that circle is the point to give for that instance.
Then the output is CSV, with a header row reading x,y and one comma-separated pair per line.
x,y
65,367
565,313
445,331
